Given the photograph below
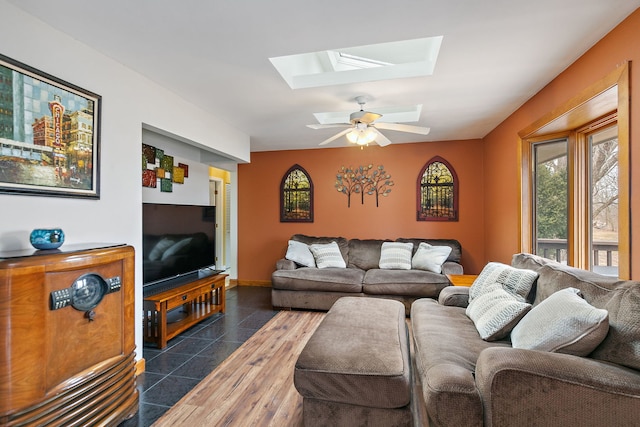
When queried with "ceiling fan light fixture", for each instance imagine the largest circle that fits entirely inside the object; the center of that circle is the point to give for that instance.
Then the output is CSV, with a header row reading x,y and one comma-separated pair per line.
x,y
361,135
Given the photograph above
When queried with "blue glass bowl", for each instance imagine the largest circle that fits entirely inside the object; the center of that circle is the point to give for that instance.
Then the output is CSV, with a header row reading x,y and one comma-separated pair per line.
x,y
47,238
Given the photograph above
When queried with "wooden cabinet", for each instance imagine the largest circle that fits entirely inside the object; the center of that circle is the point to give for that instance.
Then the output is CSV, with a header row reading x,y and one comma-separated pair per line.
x,y
188,303
61,365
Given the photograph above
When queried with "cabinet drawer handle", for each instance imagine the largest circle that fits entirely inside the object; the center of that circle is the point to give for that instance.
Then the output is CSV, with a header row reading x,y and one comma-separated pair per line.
x,y
184,297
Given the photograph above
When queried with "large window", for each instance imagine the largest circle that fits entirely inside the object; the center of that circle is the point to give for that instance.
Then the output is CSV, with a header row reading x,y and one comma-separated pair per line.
x,y
551,194
594,162
575,180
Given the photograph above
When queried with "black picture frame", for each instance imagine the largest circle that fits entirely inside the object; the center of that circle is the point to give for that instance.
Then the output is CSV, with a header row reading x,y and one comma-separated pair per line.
x,y
49,134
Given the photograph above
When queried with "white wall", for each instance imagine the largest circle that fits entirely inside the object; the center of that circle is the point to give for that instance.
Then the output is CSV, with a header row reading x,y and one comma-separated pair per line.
x,y
129,100
195,190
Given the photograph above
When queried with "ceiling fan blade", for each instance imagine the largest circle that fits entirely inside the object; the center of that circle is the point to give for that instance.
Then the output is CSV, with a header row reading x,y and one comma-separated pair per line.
x,y
381,140
336,136
404,128
327,126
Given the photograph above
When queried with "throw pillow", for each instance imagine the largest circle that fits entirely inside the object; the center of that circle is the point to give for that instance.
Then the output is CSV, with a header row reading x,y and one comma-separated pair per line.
x,y
327,255
496,312
563,323
430,258
516,281
396,256
176,248
300,253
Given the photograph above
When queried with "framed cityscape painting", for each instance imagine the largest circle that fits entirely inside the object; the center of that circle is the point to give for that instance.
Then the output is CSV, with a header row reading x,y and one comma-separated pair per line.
x,y
49,134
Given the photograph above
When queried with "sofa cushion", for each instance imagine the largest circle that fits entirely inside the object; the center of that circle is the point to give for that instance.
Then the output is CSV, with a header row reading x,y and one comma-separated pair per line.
x,y
447,347
396,256
343,244
622,344
456,248
563,323
429,257
496,311
365,254
416,283
327,255
300,253
314,279
516,281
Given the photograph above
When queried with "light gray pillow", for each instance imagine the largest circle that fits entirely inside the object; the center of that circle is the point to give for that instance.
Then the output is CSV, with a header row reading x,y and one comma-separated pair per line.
x,y
516,281
563,323
327,255
300,253
430,258
496,312
396,255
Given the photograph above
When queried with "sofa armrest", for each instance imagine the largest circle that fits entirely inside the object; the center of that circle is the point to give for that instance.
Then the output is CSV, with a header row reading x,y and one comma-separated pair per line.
x,y
450,267
285,264
457,296
518,386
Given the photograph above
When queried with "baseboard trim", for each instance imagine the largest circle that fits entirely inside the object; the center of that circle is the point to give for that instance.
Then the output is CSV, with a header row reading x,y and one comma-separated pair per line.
x,y
262,283
140,366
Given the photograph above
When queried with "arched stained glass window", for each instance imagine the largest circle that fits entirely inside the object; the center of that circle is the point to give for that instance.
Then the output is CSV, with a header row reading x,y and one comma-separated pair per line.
x,y
296,196
437,191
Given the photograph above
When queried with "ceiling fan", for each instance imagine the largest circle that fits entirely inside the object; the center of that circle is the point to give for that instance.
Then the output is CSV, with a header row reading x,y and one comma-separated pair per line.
x,y
362,130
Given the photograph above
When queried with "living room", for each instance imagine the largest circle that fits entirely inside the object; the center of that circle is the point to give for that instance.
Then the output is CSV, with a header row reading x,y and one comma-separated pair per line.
x,y
488,168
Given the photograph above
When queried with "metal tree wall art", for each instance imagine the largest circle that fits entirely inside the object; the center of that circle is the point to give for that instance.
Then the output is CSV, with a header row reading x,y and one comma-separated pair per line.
x,y
363,180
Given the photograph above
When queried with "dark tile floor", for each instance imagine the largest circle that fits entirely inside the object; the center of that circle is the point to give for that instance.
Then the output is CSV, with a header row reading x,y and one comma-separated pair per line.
x,y
171,372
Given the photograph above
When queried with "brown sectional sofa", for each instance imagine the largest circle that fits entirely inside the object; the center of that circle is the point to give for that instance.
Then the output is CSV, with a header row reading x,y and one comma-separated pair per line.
x,y
299,287
466,381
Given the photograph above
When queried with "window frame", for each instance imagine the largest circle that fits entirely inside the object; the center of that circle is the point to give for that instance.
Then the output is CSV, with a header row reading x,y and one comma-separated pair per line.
x,y
420,216
283,183
599,105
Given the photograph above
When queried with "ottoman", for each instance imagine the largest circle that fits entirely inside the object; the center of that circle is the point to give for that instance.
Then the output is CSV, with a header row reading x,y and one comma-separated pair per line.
x,y
355,368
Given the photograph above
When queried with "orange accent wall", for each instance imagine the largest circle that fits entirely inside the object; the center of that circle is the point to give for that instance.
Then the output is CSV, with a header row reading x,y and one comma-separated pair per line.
x,y
502,198
262,238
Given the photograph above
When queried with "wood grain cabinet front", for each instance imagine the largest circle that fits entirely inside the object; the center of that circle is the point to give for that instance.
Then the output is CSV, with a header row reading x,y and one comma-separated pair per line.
x,y
67,328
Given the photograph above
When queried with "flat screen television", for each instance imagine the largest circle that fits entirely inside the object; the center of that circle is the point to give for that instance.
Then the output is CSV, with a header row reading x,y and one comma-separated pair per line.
x,y
177,240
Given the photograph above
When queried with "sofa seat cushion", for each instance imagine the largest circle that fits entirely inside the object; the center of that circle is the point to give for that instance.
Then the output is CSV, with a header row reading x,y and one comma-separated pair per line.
x,y
315,279
416,283
447,346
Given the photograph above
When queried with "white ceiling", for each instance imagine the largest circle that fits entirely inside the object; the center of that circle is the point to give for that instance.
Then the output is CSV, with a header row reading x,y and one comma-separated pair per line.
x,y
495,55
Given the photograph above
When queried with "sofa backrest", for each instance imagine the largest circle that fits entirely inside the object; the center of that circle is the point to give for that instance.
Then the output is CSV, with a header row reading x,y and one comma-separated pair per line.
x,y
365,254
621,299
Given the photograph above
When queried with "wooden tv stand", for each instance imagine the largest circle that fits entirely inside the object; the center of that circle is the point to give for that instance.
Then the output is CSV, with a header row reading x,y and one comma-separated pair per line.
x,y
172,311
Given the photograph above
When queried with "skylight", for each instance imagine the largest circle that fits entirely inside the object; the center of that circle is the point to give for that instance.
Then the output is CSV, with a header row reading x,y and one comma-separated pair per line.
x,y
345,61
384,61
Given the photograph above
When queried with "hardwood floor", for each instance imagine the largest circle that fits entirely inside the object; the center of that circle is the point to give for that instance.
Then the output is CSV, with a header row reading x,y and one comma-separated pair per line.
x,y
254,386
